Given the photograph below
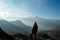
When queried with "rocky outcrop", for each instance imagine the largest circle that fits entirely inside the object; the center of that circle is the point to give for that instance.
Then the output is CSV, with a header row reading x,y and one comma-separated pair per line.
x,y
5,36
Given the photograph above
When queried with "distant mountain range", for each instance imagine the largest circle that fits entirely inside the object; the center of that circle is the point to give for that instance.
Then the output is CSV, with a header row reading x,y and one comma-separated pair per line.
x,y
23,25
14,27
43,24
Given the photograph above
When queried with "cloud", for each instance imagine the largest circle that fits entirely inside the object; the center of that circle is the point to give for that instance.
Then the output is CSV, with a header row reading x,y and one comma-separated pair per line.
x,y
10,11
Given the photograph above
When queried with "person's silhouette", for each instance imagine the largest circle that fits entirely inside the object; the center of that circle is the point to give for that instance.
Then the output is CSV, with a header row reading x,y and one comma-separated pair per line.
x,y
34,30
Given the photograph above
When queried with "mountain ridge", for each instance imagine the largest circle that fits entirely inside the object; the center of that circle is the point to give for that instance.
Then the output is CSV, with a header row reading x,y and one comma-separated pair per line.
x,y
43,24
9,27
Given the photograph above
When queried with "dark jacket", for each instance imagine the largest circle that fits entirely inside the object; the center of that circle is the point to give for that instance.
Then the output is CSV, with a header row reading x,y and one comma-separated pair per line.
x,y
35,28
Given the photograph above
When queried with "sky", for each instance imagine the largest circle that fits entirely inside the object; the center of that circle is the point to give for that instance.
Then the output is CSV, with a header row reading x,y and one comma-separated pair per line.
x,y
16,9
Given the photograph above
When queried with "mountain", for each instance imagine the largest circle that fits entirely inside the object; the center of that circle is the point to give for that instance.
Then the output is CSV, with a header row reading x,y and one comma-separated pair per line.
x,y
43,24
19,24
11,28
8,27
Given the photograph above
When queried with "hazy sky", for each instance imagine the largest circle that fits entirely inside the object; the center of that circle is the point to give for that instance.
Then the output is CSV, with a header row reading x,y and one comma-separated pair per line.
x,y
49,9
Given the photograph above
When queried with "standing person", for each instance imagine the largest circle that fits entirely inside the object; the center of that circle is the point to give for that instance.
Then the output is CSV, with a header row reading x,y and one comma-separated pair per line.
x,y
34,30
